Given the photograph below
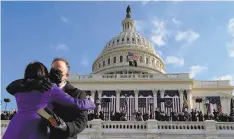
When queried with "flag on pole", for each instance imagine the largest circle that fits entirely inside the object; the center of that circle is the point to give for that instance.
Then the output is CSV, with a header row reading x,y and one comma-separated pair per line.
x,y
126,103
132,56
132,59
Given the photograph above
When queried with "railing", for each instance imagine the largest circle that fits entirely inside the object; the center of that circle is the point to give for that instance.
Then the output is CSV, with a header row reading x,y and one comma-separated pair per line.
x,y
198,126
153,77
146,129
212,84
157,76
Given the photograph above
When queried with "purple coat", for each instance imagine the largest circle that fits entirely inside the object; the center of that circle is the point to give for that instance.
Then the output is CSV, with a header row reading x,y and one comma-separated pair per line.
x,y
26,124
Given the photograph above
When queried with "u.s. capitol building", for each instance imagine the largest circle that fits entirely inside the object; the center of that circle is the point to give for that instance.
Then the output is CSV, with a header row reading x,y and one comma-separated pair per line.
x,y
129,75
143,84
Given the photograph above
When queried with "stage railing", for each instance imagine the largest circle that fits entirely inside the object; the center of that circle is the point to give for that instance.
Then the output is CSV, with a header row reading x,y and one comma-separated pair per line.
x,y
152,129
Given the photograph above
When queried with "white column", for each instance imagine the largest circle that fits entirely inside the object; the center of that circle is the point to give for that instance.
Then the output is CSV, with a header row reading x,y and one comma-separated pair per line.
x,y
162,96
202,105
93,93
228,100
181,99
136,99
100,98
189,97
223,104
117,100
92,96
155,99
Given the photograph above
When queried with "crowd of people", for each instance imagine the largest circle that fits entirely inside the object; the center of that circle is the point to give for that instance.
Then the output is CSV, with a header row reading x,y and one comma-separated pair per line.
x,y
8,115
194,115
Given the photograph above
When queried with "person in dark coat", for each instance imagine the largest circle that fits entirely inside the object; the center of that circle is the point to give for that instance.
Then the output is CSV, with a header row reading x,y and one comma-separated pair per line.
x,y
75,122
174,116
101,115
157,115
112,116
200,116
193,115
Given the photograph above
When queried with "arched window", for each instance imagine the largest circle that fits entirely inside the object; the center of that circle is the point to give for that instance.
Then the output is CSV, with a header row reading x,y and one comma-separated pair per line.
x,y
121,58
114,60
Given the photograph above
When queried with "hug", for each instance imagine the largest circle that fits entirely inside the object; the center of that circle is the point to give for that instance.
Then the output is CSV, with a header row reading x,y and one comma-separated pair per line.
x,y
40,89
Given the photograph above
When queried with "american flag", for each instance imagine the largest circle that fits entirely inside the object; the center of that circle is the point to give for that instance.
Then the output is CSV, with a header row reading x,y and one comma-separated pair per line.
x,y
126,103
168,103
142,105
132,56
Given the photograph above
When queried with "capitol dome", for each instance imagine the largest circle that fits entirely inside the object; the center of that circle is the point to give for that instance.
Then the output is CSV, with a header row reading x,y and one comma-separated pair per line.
x,y
113,59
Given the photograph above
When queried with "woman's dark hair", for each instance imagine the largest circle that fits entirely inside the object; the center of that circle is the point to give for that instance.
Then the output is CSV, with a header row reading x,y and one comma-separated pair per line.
x,y
35,70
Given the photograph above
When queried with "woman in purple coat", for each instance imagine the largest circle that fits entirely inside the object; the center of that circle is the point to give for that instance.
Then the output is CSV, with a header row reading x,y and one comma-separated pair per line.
x,y
27,124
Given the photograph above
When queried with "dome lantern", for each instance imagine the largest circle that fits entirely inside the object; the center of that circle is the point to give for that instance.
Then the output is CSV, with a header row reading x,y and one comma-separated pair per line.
x,y
128,24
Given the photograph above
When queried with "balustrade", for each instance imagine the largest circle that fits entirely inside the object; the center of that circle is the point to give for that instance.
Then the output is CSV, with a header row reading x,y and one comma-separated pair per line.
x,y
164,129
180,76
155,76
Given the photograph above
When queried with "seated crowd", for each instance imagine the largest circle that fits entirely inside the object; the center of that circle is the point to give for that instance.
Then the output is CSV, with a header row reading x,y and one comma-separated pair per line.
x,y
194,115
8,115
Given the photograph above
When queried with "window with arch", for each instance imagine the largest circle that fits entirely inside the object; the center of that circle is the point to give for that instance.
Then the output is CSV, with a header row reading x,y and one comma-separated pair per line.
x,y
108,61
103,63
121,58
114,60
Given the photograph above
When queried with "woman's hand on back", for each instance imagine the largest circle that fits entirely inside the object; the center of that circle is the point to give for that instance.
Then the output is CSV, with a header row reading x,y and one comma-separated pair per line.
x,y
41,85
